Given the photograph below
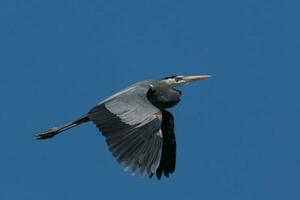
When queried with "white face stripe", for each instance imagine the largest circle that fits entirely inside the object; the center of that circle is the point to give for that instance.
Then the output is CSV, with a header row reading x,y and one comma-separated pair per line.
x,y
177,81
169,81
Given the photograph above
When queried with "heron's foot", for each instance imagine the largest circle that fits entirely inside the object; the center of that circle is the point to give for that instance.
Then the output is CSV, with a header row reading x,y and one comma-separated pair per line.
x,y
48,134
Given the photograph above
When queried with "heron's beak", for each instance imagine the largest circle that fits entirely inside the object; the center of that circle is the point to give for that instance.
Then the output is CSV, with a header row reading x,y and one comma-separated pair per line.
x,y
188,79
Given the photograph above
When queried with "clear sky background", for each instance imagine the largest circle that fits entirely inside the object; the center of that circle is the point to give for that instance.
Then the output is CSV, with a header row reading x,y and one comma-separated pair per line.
x,y
238,133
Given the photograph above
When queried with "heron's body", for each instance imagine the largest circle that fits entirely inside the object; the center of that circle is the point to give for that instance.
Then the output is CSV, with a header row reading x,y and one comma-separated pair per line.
x,y
138,129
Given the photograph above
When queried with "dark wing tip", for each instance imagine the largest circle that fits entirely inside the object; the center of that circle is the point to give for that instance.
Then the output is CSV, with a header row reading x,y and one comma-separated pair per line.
x,y
168,157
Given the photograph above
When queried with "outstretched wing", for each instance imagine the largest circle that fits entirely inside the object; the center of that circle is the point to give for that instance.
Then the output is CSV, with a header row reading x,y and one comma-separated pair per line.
x,y
131,126
168,157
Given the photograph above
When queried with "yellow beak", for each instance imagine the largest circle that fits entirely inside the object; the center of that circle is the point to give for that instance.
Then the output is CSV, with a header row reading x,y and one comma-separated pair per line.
x,y
195,78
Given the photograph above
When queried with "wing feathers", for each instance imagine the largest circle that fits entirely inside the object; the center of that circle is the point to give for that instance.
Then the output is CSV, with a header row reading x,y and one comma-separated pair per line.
x,y
168,157
132,130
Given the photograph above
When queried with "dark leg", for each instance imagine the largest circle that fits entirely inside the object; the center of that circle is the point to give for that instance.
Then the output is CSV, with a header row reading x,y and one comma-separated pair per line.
x,y
56,130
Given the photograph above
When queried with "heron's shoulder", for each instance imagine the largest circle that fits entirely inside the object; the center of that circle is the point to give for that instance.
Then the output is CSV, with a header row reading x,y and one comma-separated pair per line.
x,y
139,87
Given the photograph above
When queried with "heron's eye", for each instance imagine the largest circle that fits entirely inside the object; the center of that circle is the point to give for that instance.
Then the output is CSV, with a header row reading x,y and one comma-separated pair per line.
x,y
177,79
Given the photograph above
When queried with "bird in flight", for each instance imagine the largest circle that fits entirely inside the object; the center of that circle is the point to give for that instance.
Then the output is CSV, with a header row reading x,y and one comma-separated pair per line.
x,y
138,129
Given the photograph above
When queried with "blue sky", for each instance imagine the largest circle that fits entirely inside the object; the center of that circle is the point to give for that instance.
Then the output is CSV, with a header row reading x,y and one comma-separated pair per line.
x,y
238,133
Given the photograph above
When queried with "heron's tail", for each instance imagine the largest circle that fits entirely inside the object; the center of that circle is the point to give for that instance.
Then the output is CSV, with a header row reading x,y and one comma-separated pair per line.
x,y
56,130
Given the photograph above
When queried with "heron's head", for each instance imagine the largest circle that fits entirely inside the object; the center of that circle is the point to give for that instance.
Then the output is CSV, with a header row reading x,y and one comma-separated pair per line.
x,y
178,81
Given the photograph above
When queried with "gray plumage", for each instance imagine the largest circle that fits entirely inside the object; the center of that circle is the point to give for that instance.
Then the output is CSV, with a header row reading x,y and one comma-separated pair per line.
x,y
138,130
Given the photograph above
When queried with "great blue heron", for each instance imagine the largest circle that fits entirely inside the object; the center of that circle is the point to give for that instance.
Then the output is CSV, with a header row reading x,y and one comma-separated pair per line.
x,y
138,129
